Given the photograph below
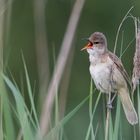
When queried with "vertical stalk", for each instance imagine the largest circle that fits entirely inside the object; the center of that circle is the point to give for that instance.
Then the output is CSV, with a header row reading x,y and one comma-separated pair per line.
x,y
91,108
1,66
107,119
5,110
60,65
41,47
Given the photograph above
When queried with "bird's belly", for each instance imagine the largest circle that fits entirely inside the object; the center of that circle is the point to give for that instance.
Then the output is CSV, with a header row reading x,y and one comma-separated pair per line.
x,y
101,74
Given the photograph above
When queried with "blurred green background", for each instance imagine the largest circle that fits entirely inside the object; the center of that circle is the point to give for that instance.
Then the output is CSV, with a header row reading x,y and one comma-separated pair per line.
x,y
97,15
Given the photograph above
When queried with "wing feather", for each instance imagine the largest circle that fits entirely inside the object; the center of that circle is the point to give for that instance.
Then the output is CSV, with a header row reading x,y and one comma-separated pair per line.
x,y
120,67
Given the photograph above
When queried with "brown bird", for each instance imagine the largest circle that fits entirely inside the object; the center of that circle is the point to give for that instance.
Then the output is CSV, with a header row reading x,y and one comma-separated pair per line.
x,y
108,73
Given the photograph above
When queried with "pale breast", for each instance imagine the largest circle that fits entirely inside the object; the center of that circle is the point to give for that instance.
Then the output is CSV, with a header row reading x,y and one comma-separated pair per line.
x,y
101,73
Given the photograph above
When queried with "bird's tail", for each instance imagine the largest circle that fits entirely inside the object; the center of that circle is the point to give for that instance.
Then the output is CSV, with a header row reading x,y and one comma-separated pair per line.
x,y
128,107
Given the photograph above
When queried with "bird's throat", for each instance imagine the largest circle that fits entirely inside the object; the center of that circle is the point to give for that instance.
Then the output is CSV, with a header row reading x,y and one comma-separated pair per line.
x,y
98,58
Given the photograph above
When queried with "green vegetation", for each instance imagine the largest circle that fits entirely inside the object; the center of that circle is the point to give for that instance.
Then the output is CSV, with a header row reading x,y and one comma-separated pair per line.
x,y
30,31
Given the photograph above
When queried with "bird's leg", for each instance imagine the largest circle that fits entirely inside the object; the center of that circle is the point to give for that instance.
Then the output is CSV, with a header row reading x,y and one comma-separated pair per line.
x,y
113,97
109,102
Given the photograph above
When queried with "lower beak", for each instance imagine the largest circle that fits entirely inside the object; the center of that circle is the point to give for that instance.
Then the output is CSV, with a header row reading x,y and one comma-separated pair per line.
x,y
88,46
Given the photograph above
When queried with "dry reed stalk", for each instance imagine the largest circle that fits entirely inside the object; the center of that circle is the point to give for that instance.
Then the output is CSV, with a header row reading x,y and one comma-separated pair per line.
x,y
136,59
108,111
60,65
41,47
107,124
7,20
3,7
2,3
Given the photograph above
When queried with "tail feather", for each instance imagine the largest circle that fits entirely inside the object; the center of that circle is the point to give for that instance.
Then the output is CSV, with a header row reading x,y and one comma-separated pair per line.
x,y
128,107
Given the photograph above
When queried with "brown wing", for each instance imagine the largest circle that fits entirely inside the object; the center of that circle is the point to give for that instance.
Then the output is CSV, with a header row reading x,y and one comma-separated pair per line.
x,y
119,64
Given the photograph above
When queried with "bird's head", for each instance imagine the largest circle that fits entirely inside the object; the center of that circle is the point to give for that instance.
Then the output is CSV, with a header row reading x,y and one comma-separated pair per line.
x,y
97,44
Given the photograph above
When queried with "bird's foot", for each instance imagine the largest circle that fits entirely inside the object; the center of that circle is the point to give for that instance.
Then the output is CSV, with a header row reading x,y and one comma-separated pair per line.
x,y
109,105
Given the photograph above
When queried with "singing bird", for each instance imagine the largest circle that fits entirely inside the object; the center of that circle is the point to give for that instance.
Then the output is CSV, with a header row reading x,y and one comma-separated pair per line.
x,y
108,73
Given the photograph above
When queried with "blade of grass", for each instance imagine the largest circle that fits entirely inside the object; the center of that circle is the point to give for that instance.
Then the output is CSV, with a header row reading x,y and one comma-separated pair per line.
x,y
117,120
22,114
110,135
127,47
118,31
93,114
65,119
97,129
91,108
29,113
9,124
30,92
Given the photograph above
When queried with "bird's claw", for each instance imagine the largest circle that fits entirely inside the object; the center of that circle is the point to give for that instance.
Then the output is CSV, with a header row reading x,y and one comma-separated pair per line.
x,y
109,106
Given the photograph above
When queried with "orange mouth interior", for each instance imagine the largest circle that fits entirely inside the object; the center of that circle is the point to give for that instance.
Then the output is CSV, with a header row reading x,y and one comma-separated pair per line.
x,y
88,46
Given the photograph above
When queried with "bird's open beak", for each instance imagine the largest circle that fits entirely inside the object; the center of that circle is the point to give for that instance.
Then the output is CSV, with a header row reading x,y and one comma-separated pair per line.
x,y
88,46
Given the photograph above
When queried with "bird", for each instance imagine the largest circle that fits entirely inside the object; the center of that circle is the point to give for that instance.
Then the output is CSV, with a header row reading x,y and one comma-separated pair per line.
x,y
109,74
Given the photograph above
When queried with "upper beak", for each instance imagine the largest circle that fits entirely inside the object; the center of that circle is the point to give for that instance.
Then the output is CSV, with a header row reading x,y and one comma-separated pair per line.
x,y
86,47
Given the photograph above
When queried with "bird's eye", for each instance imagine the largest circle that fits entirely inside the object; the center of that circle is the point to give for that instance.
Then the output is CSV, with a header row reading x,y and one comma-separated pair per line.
x,y
96,42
